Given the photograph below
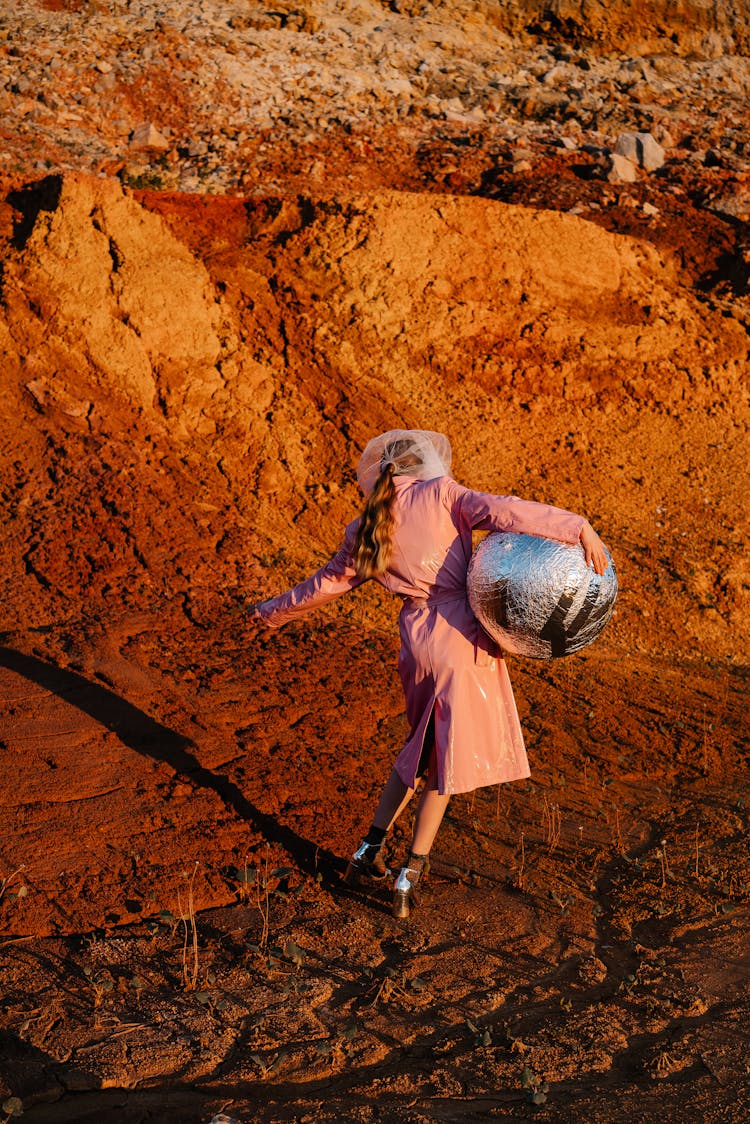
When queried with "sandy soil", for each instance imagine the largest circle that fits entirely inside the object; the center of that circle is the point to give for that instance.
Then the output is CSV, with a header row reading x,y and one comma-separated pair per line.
x,y
186,384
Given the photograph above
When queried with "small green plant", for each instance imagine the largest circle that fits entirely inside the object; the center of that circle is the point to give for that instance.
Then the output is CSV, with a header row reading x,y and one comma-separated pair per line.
x,y
482,1036
563,903
536,1087
258,884
101,982
294,953
267,1068
246,876
137,983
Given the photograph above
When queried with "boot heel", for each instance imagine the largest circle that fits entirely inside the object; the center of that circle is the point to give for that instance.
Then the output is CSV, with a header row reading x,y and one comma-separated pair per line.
x,y
401,904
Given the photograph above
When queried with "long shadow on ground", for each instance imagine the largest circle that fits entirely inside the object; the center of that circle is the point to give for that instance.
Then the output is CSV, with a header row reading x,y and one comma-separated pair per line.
x,y
150,738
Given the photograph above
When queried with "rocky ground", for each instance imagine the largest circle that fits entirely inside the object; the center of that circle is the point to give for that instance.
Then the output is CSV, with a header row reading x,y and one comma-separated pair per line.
x,y
237,240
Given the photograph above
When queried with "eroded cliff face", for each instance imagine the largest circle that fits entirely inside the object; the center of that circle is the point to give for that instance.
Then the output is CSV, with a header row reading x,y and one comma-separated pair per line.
x,y
672,26
195,378
626,25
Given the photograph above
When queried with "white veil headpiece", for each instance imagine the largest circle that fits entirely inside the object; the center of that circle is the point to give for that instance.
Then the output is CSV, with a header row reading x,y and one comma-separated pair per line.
x,y
418,453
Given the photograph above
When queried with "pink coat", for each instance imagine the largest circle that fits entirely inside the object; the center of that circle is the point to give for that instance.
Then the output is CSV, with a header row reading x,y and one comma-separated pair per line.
x,y
447,663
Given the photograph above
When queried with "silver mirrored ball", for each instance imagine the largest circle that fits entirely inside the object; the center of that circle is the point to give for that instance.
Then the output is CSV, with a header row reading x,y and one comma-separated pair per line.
x,y
537,597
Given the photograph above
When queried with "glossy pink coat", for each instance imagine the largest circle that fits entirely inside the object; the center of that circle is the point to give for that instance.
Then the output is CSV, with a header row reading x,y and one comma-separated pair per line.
x,y
447,663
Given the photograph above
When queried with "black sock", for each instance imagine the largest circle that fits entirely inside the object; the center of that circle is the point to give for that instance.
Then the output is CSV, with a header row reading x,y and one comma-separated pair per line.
x,y
416,864
375,836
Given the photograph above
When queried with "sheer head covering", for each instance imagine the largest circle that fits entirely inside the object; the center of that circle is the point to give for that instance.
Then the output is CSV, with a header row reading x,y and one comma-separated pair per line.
x,y
412,452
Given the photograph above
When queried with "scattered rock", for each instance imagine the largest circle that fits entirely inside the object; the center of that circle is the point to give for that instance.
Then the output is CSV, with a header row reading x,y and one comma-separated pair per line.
x,y
147,136
735,205
619,169
641,149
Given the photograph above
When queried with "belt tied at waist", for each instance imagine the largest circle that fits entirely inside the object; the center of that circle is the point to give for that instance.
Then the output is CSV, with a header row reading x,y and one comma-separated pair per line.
x,y
442,597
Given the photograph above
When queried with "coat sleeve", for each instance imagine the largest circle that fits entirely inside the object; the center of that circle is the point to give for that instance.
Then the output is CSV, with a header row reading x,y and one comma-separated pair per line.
x,y
332,580
484,512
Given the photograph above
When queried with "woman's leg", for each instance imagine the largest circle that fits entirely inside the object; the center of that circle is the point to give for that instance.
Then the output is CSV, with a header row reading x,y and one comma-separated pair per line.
x,y
368,858
395,796
430,812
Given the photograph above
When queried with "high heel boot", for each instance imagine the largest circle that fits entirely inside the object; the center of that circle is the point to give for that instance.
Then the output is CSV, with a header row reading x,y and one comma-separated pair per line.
x,y
405,892
368,863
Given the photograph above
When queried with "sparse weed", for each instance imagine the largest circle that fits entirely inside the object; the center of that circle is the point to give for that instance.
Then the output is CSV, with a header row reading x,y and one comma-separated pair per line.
x,y
661,855
536,1087
12,1106
386,983
617,841
258,884
190,958
552,818
101,982
563,903
482,1036
519,879
19,892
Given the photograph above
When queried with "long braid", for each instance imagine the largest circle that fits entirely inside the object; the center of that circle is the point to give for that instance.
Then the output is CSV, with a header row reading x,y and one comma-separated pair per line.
x,y
372,546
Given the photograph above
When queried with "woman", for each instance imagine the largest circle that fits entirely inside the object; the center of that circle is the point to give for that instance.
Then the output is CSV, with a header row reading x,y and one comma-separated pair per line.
x,y
415,537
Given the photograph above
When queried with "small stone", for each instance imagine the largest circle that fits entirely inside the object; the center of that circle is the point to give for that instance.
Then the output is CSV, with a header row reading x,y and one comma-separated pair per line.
x,y
619,169
736,206
148,136
642,149
650,210
663,136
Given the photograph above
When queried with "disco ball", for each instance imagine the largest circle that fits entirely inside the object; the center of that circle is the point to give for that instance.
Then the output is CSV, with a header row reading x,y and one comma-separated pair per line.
x,y
537,597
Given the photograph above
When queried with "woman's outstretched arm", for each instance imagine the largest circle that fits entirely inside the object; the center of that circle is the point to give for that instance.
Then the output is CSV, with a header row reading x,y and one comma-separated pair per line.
x,y
332,580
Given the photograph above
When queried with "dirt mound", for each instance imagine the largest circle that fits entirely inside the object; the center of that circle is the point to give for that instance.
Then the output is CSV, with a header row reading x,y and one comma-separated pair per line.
x,y
257,346
118,303
414,290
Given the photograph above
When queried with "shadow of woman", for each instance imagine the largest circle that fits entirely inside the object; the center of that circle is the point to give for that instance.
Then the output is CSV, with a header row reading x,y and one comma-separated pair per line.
x,y
150,738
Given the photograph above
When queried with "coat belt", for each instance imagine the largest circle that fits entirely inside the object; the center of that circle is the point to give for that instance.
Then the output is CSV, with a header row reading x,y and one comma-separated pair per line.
x,y
442,597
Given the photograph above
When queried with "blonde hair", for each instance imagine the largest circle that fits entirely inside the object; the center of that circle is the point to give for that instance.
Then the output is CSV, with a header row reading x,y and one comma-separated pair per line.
x,y
372,546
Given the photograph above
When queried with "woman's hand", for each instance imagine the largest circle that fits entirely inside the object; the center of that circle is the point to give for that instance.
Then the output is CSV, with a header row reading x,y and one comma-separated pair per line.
x,y
593,548
248,608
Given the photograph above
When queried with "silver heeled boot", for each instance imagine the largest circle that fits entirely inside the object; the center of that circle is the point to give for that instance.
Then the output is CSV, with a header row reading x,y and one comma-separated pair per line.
x,y
405,892
367,862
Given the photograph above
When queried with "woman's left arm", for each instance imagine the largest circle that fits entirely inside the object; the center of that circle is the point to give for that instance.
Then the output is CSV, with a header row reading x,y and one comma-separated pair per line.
x,y
332,580
486,512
